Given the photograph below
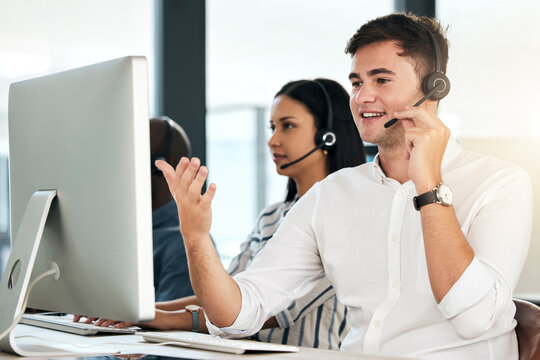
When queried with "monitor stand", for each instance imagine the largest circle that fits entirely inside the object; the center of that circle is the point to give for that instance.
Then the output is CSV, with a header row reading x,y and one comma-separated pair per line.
x,y
16,280
18,270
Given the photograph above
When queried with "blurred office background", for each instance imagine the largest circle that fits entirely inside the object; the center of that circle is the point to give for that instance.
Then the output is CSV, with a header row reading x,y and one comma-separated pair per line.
x,y
215,65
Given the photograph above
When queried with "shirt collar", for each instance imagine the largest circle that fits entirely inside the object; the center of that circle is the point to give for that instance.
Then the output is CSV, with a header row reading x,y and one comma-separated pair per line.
x,y
452,151
164,213
376,169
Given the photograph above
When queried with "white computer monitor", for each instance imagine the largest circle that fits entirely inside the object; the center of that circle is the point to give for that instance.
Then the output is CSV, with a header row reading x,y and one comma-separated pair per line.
x,y
84,134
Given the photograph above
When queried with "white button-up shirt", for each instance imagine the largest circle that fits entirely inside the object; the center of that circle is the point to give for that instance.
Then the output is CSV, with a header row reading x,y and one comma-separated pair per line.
x,y
360,228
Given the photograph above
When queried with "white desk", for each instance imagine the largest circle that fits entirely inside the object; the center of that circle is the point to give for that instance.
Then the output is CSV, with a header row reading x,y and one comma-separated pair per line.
x,y
133,344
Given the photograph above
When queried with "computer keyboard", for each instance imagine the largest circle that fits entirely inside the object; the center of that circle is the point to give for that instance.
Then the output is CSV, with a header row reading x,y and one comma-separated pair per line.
x,y
207,342
65,323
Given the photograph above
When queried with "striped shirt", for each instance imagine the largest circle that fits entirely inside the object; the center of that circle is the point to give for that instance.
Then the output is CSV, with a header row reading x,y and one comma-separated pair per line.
x,y
315,320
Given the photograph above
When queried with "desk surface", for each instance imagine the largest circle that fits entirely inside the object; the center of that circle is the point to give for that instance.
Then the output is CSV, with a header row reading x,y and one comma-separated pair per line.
x,y
133,344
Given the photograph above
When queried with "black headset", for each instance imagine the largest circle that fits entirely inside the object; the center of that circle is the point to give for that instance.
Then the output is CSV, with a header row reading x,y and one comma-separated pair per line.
x,y
325,138
164,155
436,82
435,85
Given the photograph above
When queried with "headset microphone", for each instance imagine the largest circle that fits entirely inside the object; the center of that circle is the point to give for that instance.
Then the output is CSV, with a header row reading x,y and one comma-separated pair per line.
x,y
320,146
394,120
435,84
325,138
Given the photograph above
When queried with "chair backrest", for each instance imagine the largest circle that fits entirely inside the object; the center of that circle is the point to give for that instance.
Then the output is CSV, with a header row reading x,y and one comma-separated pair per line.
x,y
528,329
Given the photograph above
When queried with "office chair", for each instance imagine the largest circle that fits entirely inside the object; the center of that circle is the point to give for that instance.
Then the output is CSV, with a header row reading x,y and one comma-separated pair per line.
x,y
528,329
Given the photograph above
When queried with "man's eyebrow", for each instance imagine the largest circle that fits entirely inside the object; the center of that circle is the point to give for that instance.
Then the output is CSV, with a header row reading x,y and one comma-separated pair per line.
x,y
380,71
373,73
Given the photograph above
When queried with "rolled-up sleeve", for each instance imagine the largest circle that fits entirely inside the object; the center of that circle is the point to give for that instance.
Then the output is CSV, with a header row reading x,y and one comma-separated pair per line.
x,y
249,318
499,235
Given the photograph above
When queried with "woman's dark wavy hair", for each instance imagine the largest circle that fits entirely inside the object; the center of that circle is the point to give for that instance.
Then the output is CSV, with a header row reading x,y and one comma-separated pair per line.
x,y
349,149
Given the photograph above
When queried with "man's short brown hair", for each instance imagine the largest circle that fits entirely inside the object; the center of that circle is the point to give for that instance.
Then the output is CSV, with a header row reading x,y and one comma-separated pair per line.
x,y
411,33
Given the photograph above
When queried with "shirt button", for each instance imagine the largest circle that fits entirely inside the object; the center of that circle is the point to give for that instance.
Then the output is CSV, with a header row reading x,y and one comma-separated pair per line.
x,y
394,237
394,284
401,193
377,323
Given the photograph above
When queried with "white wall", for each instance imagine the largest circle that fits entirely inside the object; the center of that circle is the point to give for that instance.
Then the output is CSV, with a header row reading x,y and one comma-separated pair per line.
x,y
494,67
41,37
256,46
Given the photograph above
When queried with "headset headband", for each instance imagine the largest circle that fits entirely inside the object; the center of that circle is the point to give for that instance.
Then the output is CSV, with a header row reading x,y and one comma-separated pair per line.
x,y
436,46
329,110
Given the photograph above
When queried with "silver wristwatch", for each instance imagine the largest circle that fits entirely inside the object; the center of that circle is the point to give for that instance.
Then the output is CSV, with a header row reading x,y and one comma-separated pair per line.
x,y
441,194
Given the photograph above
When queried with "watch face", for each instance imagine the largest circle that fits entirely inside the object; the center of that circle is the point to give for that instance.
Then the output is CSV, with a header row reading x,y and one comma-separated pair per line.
x,y
192,307
444,194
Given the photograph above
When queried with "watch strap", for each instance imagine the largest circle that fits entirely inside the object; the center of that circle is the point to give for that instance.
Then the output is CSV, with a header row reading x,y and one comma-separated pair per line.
x,y
429,197
195,316
194,310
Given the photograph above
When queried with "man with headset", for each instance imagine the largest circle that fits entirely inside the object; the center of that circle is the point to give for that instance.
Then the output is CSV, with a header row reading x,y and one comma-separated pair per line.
x,y
168,142
424,245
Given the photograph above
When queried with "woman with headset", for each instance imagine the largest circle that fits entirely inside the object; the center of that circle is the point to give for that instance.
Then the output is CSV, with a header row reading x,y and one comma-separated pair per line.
x,y
313,135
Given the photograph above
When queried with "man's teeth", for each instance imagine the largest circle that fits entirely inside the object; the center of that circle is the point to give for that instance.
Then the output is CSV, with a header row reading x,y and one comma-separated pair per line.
x,y
370,115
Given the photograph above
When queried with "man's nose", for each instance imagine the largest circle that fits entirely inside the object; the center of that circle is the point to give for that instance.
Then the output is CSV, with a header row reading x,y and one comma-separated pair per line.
x,y
364,94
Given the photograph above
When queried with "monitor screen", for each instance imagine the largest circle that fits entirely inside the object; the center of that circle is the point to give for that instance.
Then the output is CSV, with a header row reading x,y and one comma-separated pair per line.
x,y
85,133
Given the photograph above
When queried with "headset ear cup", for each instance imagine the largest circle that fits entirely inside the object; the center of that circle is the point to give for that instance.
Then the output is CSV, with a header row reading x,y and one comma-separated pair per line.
x,y
328,138
435,79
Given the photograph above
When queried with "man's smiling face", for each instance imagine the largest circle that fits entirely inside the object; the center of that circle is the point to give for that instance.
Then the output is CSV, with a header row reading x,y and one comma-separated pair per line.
x,y
382,83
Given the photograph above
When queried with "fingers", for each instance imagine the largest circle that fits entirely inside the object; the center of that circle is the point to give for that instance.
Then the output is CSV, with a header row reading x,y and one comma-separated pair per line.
x,y
100,322
187,172
167,170
107,323
193,177
209,195
411,116
187,180
123,324
418,116
194,191
90,320
182,165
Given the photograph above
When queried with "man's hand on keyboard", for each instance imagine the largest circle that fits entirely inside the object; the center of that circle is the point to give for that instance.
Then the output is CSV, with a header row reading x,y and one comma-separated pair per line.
x,y
169,320
101,322
89,319
164,320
